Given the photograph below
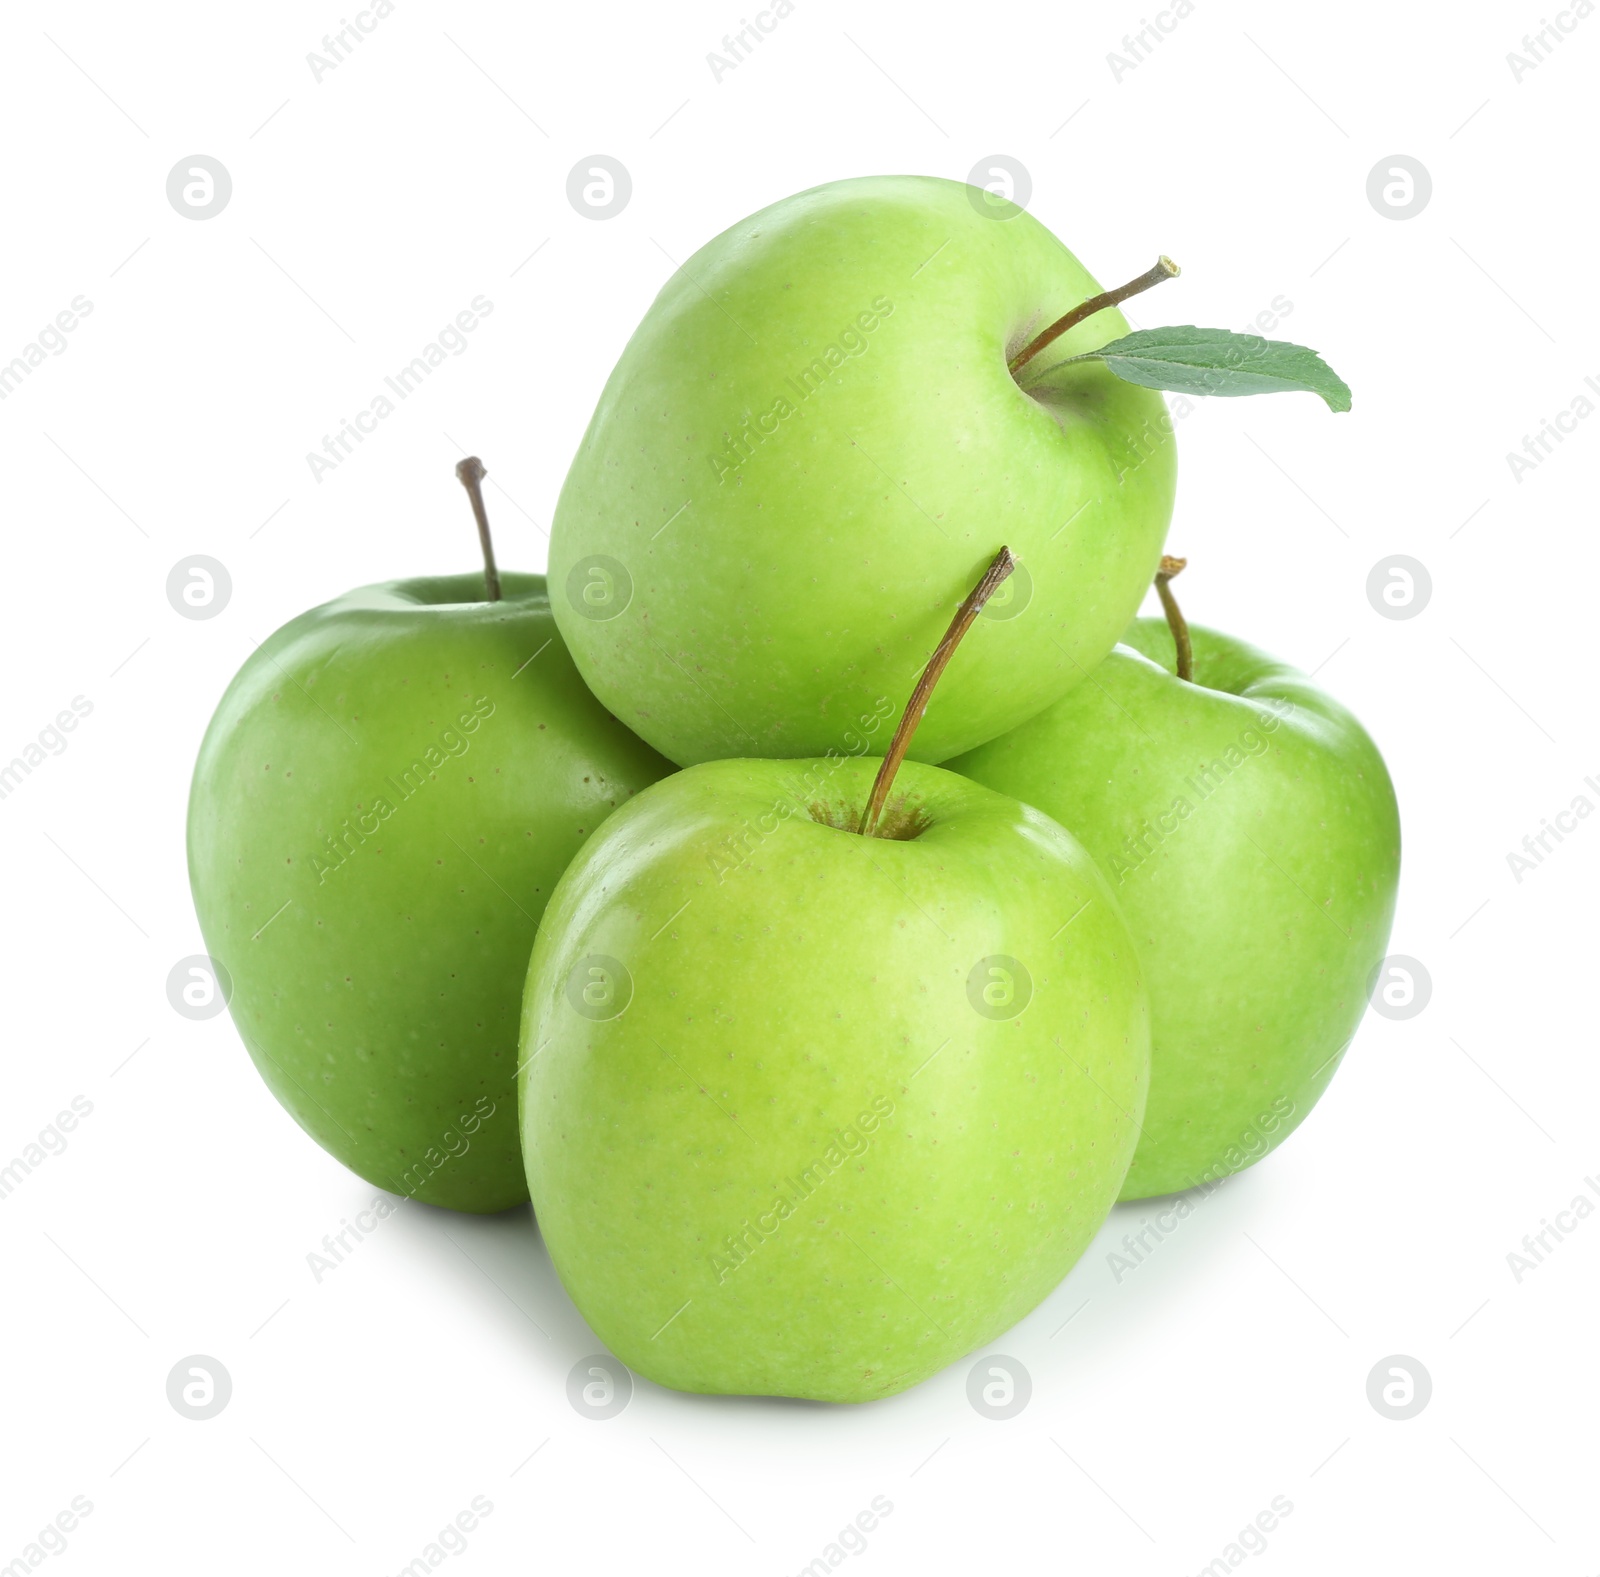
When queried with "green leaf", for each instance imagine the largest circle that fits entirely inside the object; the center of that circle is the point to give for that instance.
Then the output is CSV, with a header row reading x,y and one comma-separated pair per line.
x,y
1189,360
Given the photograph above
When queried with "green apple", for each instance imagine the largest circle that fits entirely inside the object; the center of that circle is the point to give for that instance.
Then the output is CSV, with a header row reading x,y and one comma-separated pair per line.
x,y
1247,826
812,1114
807,443
383,803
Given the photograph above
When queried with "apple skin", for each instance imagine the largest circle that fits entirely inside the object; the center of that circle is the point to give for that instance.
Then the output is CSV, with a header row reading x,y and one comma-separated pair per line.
x,y
797,1050
1260,896
379,997
769,602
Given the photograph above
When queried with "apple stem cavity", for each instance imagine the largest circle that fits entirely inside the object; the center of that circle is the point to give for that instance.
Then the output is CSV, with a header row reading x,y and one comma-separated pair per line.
x,y
470,474
1001,566
1164,268
1176,622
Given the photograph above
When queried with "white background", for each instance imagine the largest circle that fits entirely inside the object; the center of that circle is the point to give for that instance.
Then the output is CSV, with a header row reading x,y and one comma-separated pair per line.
x,y
371,206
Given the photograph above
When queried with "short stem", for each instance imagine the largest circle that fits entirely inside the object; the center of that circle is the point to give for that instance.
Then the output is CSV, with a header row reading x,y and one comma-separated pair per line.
x,y
969,610
1164,268
1175,619
470,474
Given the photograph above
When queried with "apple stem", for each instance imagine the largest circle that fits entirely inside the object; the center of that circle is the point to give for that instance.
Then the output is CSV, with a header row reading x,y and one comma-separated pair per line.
x,y
1164,268
998,570
470,474
1176,622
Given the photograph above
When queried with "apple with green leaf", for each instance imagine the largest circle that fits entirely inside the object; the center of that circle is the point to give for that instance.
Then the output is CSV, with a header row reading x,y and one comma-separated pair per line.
x,y
809,440
1248,827
831,1067
382,805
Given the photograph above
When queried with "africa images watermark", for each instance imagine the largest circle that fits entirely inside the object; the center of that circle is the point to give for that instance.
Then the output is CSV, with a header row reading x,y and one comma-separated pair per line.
x,y
1536,845
1553,32
50,741
849,1142
450,341
1537,447
1250,1146
753,32
51,340
754,430
1250,1539
453,742
453,1143
804,793
1537,1246
51,1539
451,1539
456,1141
1153,32
339,1246
51,1140
353,32
1206,779
851,1538
1156,432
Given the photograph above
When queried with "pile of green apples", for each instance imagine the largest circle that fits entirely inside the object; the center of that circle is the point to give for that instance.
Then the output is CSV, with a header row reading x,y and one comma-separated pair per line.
x,y
823,896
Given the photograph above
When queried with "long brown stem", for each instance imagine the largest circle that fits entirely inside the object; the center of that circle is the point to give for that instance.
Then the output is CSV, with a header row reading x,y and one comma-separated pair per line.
x,y
470,474
969,610
1164,268
1175,619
